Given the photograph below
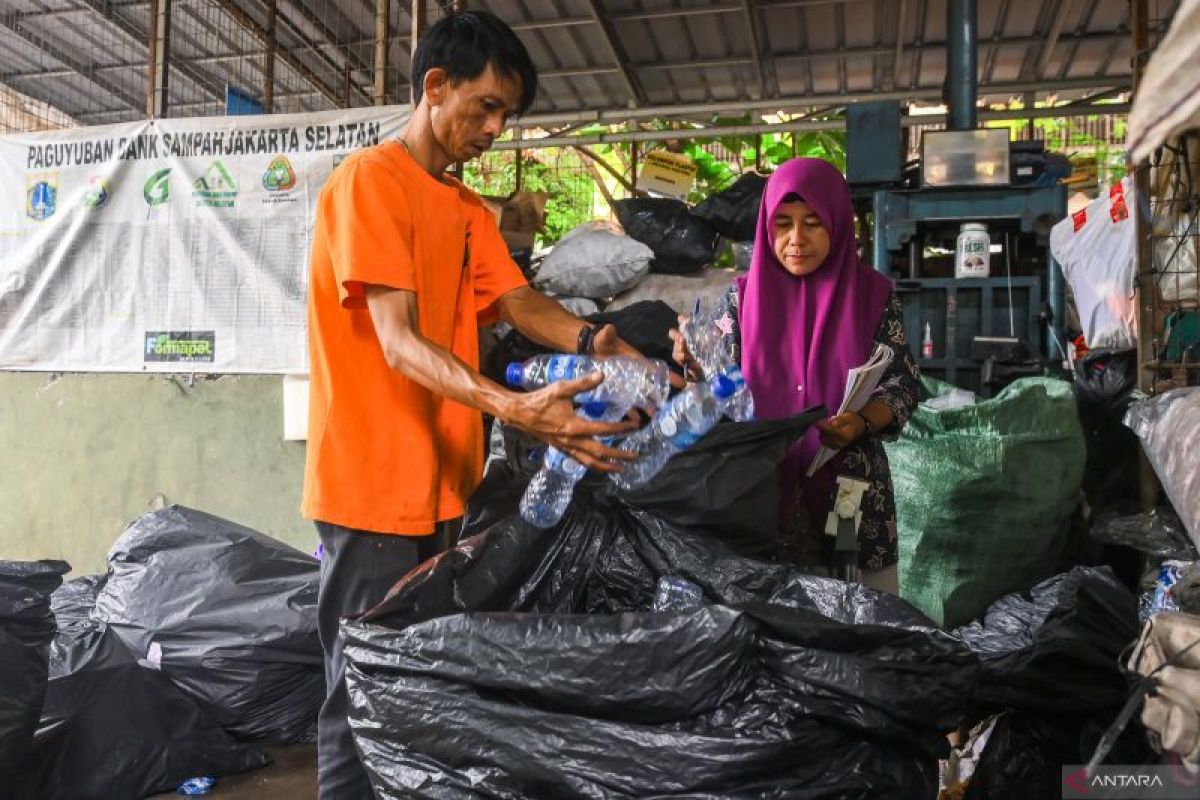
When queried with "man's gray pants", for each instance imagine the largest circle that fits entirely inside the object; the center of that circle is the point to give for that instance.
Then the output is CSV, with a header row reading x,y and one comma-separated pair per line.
x,y
357,570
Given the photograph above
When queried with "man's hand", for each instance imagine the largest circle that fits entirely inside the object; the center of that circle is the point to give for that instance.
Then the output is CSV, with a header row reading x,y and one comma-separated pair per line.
x,y
679,352
607,343
842,430
549,415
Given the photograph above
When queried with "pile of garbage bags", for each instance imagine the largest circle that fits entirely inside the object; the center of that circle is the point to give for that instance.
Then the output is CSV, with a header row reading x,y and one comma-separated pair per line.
x,y
777,684
1169,426
197,645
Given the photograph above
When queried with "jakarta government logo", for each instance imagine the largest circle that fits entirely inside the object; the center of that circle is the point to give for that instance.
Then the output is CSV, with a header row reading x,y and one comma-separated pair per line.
x,y
96,194
279,177
41,197
158,188
215,188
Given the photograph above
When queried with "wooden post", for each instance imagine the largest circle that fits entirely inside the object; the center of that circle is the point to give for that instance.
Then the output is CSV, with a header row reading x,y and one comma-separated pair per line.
x,y
418,22
158,48
382,27
633,168
269,61
519,168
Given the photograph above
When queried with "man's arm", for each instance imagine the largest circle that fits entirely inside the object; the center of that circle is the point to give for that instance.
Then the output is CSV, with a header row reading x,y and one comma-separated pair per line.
x,y
547,413
546,322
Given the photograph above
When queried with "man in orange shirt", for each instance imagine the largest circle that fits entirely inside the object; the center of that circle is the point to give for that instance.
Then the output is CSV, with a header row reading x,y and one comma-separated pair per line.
x,y
406,264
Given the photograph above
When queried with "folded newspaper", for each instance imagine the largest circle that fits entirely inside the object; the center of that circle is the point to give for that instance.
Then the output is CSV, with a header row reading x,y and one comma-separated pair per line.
x,y
861,382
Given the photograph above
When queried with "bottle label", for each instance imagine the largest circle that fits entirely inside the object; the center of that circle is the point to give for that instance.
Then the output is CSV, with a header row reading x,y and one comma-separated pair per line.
x,y
561,368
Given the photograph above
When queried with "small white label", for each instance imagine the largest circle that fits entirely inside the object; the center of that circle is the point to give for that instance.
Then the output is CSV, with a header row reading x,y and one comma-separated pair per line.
x,y
153,659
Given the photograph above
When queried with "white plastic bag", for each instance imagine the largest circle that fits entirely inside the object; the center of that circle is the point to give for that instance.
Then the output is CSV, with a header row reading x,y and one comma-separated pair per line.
x,y
1095,247
594,261
1169,427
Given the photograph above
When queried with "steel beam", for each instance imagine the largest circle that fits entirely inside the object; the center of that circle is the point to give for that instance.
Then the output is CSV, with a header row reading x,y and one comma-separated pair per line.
x,y
1056,29
70,62
636,95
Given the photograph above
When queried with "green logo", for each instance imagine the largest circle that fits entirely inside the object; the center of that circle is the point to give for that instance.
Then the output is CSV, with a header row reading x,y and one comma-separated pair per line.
x,y
158,188
215,188
186,346
97,193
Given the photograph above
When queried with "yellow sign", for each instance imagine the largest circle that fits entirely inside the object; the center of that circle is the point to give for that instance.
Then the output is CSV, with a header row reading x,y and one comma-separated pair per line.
x,y
670,174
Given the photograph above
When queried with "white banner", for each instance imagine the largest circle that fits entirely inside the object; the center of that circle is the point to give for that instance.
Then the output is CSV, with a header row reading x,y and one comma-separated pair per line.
x,y
175,245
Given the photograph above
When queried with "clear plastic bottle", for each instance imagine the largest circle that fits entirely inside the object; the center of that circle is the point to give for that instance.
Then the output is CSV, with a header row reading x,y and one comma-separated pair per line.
x,y
678,425
549,491
704,334
628,382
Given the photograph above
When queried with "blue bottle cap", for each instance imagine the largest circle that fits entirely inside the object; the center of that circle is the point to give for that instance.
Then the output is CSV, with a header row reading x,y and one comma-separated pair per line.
x,y
594,409
723,387
514,373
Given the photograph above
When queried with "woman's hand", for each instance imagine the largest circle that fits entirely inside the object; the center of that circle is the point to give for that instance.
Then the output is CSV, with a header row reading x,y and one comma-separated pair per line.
x,y
842,430
681,356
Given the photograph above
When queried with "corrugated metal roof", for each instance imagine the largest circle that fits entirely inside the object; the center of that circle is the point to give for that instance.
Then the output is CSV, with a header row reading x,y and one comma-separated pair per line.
x,y
87,57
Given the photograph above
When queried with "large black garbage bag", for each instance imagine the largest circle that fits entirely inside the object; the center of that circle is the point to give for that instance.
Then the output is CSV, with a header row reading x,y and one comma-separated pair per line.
x,y
681,242
112,728
645,326
1051,660
26,630
229,613
787,683
733,213
726,484
1103,383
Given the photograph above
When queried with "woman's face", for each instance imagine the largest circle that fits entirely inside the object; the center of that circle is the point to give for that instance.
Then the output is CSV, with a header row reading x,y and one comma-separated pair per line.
x,y
801,242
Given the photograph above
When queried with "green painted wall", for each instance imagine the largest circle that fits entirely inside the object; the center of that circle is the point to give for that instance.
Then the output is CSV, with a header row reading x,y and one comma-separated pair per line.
x,y
83,455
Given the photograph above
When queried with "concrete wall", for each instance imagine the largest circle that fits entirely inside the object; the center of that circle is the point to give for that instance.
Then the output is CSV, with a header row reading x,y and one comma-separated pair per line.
x,y
83,455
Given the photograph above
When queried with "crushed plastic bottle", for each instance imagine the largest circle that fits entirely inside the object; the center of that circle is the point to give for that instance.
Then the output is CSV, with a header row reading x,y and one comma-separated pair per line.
x,y
549,491
678,425
196,786
704,333
629,382
676,594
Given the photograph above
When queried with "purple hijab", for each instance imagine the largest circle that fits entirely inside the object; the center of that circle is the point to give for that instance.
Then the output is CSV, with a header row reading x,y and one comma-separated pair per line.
x,y
800,336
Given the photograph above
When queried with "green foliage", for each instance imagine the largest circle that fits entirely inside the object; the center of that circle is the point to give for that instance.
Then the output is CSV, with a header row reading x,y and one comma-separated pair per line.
x,y
570,188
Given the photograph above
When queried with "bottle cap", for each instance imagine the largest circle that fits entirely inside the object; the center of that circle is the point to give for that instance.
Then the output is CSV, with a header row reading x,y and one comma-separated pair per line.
x,y
595,409
514,373
723,387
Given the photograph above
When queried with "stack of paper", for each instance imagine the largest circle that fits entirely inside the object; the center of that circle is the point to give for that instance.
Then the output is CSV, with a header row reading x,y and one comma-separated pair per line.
x,y
861,382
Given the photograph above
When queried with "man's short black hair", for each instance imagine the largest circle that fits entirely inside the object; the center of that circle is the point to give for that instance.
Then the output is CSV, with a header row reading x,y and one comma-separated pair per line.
x,y
464,44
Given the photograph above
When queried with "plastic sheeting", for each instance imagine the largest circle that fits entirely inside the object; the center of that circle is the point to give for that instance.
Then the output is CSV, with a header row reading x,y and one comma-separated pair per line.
x,y
26,630
984,485
594,262
1167,102
1158,532
112,728
786,685
681,242
227,613
733,213
1169,427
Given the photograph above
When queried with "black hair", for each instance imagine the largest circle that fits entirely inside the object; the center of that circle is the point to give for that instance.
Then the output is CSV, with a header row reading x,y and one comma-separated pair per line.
x,y
464,44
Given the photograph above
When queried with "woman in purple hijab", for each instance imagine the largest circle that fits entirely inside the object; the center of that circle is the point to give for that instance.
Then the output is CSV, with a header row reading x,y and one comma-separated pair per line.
x,y
807,312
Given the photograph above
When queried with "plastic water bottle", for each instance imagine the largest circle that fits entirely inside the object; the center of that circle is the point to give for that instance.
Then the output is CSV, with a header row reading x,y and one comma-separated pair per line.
x,y
704,334
678,425
549,491
676,594
628,382
196,786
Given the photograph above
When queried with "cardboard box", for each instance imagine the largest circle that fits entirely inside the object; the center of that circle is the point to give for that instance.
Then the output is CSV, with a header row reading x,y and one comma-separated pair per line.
x,y
521,216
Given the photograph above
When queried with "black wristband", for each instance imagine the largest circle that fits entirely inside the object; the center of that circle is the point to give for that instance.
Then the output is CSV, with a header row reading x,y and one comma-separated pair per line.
x,y
587,341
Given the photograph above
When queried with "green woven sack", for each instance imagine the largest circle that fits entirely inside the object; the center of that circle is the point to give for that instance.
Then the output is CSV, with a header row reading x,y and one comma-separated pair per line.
x,y
983,495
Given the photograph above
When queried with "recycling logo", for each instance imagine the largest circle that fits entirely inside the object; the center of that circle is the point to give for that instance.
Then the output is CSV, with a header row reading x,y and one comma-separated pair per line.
x,y
157,189
279,177
215,188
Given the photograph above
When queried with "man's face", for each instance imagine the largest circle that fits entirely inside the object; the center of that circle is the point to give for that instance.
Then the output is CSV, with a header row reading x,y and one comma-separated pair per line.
x,y
467,116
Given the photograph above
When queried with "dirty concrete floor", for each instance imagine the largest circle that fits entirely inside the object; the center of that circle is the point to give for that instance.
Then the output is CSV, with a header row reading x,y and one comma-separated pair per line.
x,y
291,775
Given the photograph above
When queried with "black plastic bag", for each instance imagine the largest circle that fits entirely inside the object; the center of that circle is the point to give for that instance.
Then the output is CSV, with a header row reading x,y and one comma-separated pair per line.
x,y
26,630
733,213
1158,532
804,686
725,485
681,242
112,728
644,326
1103,383
228,612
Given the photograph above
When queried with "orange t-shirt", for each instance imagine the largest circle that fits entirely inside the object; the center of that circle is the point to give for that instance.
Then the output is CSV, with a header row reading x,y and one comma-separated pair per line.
x,y
384,453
